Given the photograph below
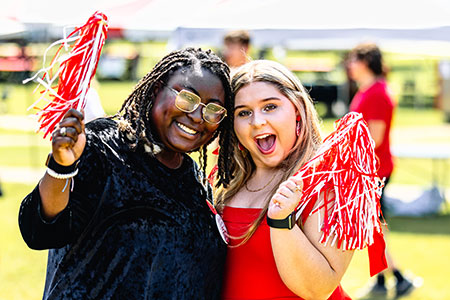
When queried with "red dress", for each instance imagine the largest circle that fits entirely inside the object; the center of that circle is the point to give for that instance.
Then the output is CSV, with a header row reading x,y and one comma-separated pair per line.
x,y
250,270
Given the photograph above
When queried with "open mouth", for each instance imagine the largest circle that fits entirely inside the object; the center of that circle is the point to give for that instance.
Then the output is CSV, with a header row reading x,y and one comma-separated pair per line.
x,y
186,129
266,143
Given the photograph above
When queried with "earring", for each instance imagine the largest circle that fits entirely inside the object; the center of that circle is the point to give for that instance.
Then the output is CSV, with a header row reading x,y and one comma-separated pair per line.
x,y
240,146
216,151
297,128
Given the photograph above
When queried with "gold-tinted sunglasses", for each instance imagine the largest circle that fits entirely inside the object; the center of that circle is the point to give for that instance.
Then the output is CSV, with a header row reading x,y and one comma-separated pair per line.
x,y
188,102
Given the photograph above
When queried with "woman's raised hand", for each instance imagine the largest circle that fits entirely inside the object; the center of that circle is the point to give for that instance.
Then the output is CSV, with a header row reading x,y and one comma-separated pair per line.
x,y
286,198
69,138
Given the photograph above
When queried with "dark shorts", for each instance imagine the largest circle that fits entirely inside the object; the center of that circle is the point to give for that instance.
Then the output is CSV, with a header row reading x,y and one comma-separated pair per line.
x,y
382,203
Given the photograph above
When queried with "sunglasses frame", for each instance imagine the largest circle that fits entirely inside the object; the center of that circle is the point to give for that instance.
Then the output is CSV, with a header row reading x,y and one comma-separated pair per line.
x,y
197,104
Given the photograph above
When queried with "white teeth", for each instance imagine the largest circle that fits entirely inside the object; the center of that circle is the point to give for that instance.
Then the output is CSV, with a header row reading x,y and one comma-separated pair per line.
x,y
187,129
263,136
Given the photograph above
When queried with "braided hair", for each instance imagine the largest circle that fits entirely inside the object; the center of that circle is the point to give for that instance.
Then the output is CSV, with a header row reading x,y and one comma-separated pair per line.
x,y
136,109
227,142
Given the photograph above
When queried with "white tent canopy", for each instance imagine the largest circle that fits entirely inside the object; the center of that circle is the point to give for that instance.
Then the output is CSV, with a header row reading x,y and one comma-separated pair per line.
x,y
411,26
326,14
289,23
11,29
250,14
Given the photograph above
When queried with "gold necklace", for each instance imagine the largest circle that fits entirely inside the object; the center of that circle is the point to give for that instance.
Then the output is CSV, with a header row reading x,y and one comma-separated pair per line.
x,y
260,189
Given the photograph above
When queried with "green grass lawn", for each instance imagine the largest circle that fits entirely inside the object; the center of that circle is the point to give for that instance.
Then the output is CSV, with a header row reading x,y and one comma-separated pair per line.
x,y
32,156
419,247
22,271
113,94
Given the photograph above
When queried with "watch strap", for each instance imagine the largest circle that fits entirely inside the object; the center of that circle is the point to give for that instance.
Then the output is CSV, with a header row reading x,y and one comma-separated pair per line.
x,y
286,223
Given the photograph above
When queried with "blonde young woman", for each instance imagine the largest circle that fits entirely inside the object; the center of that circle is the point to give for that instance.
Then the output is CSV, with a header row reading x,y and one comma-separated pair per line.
x,y
275,132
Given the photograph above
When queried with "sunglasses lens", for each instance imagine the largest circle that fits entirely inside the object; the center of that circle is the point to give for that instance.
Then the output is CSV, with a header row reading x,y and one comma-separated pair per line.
x,y
186,101
214,113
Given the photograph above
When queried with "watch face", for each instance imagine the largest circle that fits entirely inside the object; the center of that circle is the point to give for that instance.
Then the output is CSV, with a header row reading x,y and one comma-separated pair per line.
x,y
291,222
222,229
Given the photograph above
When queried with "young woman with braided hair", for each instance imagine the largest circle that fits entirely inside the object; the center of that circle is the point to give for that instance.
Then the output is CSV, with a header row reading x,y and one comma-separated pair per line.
x,y
272,131
122,207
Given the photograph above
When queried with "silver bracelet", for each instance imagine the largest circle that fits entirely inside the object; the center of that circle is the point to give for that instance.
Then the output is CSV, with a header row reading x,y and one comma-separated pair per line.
x,y
61,176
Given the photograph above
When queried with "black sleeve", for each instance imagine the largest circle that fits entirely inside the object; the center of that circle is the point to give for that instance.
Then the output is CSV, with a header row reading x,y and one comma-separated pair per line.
x,y
68,224
38,233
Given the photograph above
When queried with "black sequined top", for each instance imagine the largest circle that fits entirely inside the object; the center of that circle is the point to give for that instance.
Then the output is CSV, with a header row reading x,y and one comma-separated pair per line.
x,y
133,229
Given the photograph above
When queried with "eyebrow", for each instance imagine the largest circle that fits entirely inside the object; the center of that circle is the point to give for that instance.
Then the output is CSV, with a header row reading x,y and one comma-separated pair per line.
x,y
262,100
198,94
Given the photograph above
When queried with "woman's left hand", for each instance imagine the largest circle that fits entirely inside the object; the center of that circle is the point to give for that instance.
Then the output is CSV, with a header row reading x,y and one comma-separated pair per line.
x,y
286,198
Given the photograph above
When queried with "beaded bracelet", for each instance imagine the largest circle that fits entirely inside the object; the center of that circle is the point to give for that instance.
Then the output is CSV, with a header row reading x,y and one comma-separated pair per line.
x,y
61,176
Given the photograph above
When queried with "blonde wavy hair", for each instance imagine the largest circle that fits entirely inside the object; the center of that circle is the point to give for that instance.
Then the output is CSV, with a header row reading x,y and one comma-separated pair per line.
x,y
240,163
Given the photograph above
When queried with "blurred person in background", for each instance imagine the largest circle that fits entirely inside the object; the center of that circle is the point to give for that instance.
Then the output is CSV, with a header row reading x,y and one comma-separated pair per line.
x,y
351,87
374,102
236,47
235,50
94,108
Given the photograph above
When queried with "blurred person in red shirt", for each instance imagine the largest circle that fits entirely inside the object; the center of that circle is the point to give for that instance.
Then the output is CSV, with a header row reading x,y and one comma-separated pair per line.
x,y
374,102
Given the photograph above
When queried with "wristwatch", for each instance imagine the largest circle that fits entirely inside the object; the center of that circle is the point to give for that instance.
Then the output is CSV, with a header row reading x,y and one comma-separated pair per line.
x,y
286,223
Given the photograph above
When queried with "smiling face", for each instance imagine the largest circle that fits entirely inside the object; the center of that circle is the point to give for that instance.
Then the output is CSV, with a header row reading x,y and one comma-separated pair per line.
x,y
180,131
265,123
